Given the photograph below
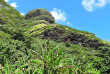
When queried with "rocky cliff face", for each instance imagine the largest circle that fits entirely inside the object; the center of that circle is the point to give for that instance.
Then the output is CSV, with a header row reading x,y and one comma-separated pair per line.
x,y
58,34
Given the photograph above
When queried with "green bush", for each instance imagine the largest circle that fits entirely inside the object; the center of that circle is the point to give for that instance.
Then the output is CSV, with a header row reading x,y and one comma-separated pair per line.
x,y
67,44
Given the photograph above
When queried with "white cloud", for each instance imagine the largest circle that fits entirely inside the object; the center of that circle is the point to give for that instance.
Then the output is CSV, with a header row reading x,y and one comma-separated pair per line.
x,y
7,0
90,5
13,4
59,15
22,13
101,3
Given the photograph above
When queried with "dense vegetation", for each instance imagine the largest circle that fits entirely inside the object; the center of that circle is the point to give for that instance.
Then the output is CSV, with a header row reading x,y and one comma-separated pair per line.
x,y
36,44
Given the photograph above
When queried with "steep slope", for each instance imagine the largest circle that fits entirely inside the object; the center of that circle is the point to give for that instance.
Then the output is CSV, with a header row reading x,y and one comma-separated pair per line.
x,y
8,15
73,39
60,33
28,44
40,14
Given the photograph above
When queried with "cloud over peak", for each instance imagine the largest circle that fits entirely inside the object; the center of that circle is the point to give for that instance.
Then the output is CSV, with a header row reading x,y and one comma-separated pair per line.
x,y
90,5
6,0
21,13
14,4
58,15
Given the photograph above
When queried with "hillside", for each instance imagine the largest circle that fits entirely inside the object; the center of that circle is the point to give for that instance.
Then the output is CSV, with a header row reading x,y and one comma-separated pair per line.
x,y
36,44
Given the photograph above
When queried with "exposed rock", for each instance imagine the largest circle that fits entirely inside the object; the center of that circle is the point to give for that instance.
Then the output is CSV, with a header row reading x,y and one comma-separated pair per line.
x,y
53,34
74,38
40,14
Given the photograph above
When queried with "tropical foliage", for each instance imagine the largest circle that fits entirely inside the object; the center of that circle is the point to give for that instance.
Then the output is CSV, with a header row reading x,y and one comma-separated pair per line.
x,y
36,44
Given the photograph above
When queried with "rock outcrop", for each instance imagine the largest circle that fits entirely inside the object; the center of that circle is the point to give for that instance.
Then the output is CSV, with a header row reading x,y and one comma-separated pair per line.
x,y
40,14
58,34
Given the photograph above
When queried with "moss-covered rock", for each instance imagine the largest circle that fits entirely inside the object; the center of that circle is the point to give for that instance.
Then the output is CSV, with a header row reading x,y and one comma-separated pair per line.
x,y
40,14
50,19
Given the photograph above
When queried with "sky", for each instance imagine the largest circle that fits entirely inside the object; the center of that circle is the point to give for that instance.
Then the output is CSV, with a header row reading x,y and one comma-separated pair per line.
x,y
86,15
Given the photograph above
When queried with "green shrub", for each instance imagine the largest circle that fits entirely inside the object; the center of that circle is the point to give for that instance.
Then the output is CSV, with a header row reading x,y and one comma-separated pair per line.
x,y
67,44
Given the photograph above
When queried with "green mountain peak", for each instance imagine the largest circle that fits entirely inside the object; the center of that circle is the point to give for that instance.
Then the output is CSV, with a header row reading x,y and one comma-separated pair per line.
x,y
36,44
40,14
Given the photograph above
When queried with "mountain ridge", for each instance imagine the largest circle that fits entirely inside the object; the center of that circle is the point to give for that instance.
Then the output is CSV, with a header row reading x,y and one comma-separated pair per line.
x,y
32,39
